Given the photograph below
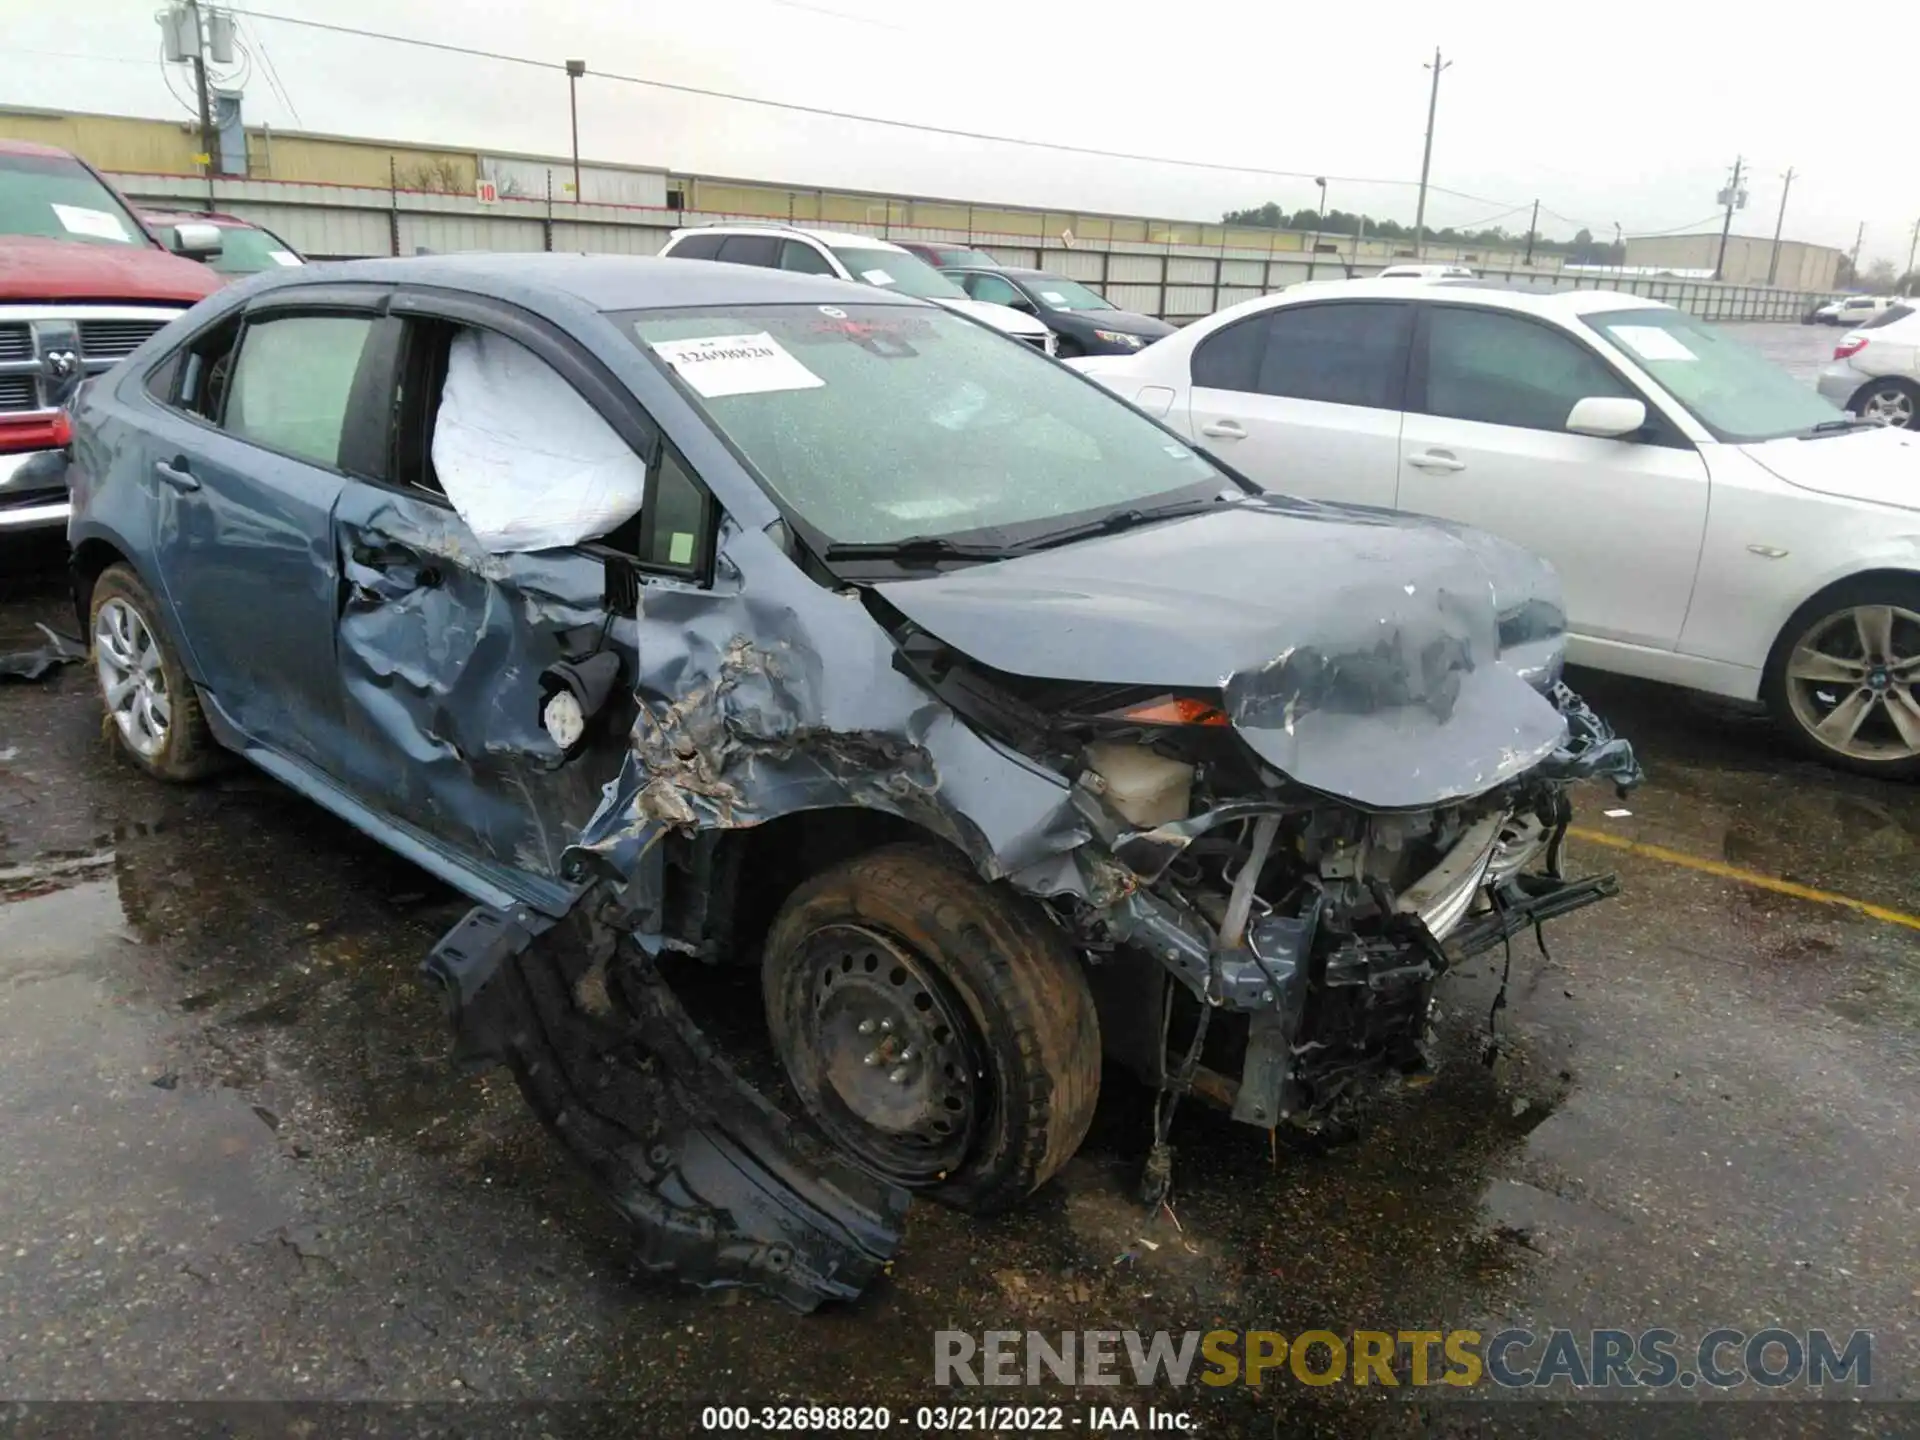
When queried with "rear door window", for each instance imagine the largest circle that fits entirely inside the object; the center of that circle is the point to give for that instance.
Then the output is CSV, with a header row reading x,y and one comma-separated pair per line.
x,y
1349,353
1507,370
1229,359
697,247
292,383
761,250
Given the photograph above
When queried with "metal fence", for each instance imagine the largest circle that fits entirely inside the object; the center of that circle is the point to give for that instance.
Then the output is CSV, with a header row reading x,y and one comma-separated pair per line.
x,y
1177,282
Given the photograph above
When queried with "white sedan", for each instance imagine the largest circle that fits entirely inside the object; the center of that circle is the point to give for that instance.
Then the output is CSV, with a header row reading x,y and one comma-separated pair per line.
x,y
1716,524
1876,369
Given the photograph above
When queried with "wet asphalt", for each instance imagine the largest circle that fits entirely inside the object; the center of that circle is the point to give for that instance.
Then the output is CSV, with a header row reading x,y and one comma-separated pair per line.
x,y
236,1164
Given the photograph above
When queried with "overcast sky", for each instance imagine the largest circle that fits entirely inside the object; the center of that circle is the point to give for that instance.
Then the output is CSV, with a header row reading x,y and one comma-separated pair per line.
x,y
1630,113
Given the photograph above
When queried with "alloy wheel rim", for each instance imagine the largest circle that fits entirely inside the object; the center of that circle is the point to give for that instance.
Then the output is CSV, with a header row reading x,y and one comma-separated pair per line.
x,y
1851,682
1894,406
133,682
894,1071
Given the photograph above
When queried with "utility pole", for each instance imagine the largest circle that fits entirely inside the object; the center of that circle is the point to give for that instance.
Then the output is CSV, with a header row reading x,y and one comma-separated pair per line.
x,y
1731,194
1319,224
1773,258
1532,225
1913,244
1854,263
575,69
1426,156
209,139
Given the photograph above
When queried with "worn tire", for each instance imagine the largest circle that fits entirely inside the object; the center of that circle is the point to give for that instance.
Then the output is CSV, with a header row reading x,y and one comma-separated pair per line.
x,y
1021,988
1890,386
188,751
1901,591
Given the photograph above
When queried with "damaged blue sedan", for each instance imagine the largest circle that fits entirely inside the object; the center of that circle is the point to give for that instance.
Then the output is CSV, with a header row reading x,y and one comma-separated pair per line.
x,y
682,614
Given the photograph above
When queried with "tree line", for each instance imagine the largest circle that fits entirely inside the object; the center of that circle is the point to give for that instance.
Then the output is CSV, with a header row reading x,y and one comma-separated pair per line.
x,y
1583,249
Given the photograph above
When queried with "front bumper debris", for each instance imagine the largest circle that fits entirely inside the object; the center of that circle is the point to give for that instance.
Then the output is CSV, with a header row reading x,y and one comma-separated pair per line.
x,y
719,1188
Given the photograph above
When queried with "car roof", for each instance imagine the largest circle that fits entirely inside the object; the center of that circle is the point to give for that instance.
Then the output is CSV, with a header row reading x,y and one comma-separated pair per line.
x,y
1560,303
27,147
825,237
604,282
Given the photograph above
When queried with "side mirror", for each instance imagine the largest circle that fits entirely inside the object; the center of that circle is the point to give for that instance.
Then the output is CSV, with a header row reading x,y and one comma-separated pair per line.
x,y
195,240
1608,416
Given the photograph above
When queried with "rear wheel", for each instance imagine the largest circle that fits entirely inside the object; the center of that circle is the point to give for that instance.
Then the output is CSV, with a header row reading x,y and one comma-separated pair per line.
x,y
937,1028
1845,678
1892,400
151,706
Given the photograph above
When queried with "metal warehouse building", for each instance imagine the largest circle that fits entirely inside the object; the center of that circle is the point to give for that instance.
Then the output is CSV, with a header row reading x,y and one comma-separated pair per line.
x,y
1800,267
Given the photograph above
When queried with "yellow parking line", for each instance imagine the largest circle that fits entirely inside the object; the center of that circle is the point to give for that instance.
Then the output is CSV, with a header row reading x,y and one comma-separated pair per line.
x,y
1745,877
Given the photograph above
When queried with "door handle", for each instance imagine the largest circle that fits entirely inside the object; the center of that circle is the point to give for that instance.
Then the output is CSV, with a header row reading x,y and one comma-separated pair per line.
x,y
1224,429
175,473
1438,460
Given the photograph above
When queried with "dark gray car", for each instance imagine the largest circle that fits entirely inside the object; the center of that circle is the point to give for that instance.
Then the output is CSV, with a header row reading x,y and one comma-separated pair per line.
x,y
1084,321
685,615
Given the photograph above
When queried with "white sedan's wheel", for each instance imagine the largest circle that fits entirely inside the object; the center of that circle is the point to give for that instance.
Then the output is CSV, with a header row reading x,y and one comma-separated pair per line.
x,y
1851,684
1890,401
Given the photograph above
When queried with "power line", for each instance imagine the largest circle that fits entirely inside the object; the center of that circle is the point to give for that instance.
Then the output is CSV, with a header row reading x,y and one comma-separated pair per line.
x,y
273,74
827,112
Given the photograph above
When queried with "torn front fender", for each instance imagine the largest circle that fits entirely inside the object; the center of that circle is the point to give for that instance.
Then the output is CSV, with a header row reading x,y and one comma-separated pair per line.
x,y
719,1188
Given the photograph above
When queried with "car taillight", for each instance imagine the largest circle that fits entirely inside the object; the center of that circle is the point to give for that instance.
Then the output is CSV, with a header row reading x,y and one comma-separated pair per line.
x,y
40,432
1853,345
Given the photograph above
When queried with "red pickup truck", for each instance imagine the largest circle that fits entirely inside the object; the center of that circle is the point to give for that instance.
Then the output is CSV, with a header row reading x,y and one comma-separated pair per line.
x,y
82,282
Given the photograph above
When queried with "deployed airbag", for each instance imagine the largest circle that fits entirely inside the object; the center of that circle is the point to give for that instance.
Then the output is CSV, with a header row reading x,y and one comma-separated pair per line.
x,y
526,461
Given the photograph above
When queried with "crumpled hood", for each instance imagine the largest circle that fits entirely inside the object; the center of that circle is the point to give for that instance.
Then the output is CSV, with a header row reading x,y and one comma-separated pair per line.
x,y
34,268
1358,651
1000,317
1881,466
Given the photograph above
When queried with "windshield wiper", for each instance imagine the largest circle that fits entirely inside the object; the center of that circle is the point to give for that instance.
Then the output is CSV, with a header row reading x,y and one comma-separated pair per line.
x,y
916,547
1840,426
1118,520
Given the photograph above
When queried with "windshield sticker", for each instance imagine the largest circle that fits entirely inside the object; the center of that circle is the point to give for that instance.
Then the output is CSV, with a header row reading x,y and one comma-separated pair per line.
x,y
1650,342
716,365
103,224
680,548
1054,298
877,277
284,257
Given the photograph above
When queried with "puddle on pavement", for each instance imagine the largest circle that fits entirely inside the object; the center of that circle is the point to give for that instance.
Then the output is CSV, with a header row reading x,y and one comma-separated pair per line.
x,y
108,1150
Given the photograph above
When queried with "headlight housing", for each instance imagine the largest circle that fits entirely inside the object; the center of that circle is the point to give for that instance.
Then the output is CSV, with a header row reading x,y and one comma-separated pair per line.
x,y
1119,337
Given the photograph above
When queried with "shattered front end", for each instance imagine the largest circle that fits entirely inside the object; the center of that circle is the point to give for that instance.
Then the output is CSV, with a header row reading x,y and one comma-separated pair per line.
x,y
1313,929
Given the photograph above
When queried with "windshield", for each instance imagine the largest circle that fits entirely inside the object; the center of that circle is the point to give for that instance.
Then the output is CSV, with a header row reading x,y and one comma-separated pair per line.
x,y
1059,294
876,423
896,270
247,251
966,259
1737,393
57,197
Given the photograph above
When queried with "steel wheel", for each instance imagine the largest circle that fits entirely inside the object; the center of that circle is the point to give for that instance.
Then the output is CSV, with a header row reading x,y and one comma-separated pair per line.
x,y
894,1073
133,681
1850,681
1890,403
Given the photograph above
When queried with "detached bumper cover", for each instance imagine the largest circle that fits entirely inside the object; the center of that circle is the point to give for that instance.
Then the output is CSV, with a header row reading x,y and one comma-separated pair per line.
x,y
719,1187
